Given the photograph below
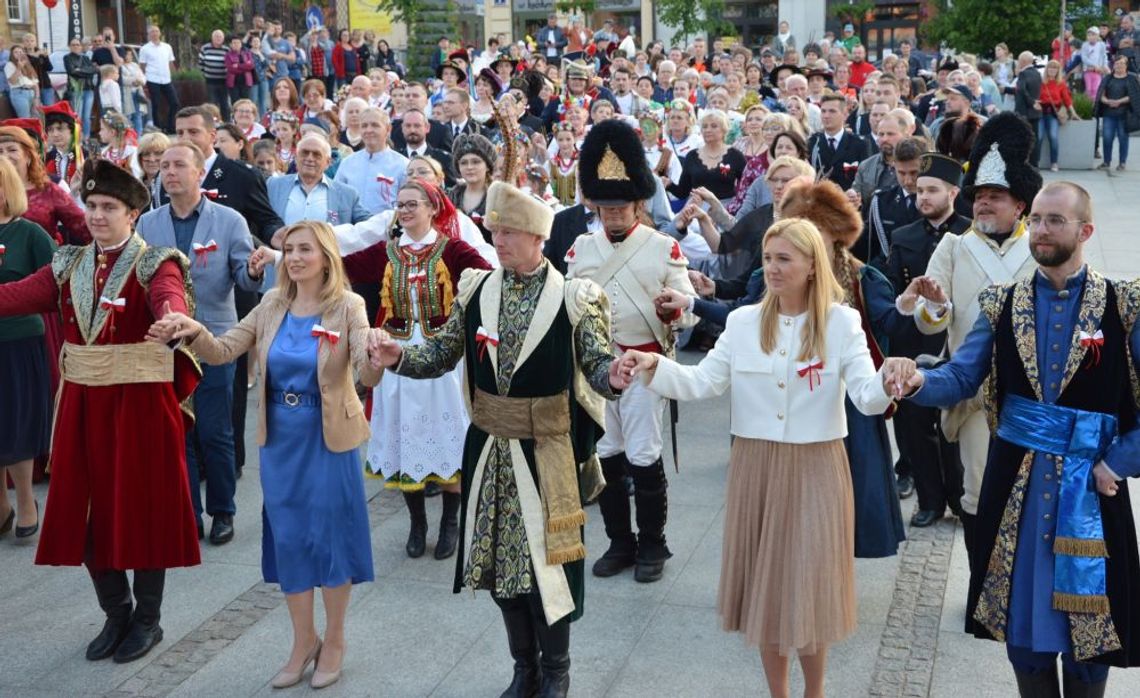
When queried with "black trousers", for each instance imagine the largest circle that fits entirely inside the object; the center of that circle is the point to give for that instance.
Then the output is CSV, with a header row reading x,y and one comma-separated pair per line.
x,y
159,95
934,462
244,301
219,94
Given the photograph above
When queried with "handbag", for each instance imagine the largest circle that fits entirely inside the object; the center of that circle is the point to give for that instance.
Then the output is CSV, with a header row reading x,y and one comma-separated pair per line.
x,y
1062,115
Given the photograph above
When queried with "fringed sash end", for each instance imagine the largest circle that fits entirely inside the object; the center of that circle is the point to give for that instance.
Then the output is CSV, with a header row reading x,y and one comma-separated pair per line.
x,y
1080,603
1080,547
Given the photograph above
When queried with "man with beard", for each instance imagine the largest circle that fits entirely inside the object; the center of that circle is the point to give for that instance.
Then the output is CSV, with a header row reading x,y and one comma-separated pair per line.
x,y
876,172
1055,565
995,250
933,461
892,207
956,104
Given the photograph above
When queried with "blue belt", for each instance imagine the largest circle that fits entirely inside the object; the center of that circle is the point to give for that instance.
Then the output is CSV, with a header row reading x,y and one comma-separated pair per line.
x,y
282,397
1077,439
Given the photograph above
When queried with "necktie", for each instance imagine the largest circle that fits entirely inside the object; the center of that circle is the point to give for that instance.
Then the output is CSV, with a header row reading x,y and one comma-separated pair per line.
x,y
455,129
831,143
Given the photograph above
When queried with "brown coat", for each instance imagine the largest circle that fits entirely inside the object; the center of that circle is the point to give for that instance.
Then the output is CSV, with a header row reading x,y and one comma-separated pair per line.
x,y
342,415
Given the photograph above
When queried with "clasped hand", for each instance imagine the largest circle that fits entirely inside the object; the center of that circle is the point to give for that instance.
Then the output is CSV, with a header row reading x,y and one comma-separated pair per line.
x,y
901,377
172,326
923,286
383,351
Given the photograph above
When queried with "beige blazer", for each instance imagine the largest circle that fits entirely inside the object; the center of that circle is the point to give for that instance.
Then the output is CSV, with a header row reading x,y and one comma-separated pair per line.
x,y
342,415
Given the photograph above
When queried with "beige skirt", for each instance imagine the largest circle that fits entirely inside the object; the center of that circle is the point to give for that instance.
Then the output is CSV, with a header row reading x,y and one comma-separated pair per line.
x,y
787,576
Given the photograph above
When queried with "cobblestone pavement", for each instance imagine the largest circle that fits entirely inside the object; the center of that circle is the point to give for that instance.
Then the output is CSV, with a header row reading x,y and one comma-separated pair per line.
x,y
909,643
227,633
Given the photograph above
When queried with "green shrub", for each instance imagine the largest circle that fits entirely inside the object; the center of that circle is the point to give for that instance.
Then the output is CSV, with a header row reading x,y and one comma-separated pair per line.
x,y
188,74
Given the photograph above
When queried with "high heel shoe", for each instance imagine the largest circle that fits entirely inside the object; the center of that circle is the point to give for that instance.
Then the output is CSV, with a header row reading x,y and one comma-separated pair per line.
x,y
285,679
29,531
324,679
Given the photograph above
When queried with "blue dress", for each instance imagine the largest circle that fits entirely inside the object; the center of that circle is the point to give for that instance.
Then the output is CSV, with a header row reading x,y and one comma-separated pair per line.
x,y
315,518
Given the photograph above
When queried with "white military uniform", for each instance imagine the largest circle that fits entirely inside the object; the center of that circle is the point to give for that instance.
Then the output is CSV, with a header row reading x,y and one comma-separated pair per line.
x,y
632,272
964,265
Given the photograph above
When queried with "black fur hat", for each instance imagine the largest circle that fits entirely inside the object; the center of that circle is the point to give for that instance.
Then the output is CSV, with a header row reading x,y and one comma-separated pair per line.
x,y
612,168
105,177
1000,159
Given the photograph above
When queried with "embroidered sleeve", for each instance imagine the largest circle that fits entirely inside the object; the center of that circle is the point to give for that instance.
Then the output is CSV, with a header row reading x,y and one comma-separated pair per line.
x,y
1128,302
153,259
63,261
991,300
439,353
592,346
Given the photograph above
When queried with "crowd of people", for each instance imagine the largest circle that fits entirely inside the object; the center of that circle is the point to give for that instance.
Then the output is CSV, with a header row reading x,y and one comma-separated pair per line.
x,y
562,215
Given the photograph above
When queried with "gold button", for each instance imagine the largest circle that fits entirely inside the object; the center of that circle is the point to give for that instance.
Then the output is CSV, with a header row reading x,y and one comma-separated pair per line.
x,y
1047,496
780,384
780,415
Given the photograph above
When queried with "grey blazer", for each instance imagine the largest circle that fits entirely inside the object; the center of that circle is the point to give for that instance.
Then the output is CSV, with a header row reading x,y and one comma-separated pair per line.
x,y
344,203
214,272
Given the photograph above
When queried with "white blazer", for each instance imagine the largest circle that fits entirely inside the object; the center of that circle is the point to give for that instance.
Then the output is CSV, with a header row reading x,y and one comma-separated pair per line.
x,y
770,400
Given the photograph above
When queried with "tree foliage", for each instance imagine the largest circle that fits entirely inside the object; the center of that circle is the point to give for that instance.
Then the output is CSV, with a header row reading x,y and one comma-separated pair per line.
x,y
426,20
976,26
692,17
187,23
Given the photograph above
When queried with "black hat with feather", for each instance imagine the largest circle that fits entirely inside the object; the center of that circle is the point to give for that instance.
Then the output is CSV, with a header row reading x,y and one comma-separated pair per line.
x,y
612,169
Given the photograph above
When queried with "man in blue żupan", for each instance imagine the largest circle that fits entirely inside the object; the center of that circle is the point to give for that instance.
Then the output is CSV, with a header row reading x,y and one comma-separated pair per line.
x,y
1055,562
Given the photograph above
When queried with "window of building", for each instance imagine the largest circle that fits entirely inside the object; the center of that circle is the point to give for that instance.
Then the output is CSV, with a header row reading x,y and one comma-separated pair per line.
x,y
17,11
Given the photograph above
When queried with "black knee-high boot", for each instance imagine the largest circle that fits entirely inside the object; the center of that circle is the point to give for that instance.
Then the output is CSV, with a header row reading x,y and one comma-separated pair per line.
x,y
1043,685
649,494
554,641
614,505
417,536
523,641
1075,688
448,526
145,631
114,595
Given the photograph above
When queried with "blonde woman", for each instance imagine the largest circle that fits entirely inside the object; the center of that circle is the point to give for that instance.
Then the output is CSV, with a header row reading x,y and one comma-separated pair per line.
x,y
714,166
798,110
679,136
1055,100
787,569
311,333
754,146
149,156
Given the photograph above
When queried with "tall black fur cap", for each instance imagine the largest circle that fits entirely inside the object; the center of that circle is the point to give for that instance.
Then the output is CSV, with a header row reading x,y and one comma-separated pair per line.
x,y
1000,158
102,176
612,168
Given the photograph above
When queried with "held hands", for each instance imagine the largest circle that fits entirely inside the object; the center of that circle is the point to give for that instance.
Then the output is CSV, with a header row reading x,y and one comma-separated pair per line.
x,y
901,377
1105,482
632,362
383,351
172,326
670,300
261,258
703,285
923,286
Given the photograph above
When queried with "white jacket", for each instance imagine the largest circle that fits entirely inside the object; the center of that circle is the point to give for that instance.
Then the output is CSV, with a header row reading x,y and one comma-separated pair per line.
x,y
770,400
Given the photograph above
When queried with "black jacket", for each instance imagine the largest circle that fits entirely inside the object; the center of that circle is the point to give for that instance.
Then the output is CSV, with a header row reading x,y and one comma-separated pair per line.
x,y
1027,93
889,210
441,156
568,224
841,164
437,137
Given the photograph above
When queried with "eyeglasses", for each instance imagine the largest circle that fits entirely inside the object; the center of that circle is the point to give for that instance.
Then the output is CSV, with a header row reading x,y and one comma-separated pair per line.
x,y
1053,222
408,206
773,129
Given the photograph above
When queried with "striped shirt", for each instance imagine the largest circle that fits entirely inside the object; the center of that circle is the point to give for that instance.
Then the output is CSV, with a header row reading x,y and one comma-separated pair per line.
x,y
212,61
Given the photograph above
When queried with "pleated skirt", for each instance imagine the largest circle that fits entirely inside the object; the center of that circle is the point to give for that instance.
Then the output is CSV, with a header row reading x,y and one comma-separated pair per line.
x,y
787,579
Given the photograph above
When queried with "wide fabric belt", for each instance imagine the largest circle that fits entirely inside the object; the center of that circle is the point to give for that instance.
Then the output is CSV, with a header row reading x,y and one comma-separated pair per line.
x,y
1077,440
284,397
116,364
547,421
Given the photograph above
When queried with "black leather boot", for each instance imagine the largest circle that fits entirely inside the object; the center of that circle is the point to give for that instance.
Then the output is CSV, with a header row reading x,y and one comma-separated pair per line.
x,y
448,526
114,595
523,641
1043,685
614,505
145,631
1075,688
649,494
554,641
417,536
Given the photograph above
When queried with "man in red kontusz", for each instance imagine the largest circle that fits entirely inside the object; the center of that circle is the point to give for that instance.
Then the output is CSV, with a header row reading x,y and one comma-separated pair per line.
x,y
119,499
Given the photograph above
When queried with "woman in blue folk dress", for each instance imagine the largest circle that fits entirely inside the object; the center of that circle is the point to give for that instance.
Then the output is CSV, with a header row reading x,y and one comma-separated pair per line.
x,y
311,332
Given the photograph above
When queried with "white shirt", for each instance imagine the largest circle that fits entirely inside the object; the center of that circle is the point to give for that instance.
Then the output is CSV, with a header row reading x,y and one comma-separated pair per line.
x,y
310,206
413,152
157,59
770,399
